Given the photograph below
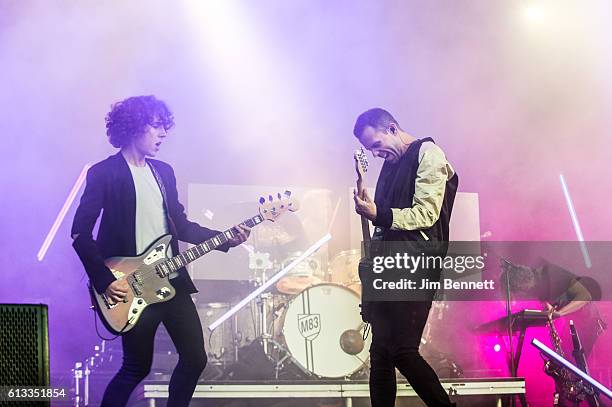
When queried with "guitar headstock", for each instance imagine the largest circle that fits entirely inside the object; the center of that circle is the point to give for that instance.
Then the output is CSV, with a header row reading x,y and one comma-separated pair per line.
x,y
361,162
272,208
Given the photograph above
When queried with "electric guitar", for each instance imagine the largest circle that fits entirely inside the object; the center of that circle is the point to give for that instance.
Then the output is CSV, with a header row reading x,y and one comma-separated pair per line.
x,y
147,274
365,264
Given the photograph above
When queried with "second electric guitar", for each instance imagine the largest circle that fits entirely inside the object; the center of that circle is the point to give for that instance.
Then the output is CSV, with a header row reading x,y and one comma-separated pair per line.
x,y
365,264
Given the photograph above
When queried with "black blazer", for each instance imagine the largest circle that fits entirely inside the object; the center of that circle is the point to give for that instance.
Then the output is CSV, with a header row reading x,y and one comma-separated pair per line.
x,y
110,189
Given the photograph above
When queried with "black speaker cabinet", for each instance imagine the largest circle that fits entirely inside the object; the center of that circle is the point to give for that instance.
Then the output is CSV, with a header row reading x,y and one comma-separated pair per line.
x,y
24,345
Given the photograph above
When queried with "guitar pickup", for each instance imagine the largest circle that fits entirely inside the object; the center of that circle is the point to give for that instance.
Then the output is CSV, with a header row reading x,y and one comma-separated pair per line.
x,y
162,270
135,282
136,288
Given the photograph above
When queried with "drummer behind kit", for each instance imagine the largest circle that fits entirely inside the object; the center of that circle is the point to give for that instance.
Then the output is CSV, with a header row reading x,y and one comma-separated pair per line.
x,y
293,333
308,326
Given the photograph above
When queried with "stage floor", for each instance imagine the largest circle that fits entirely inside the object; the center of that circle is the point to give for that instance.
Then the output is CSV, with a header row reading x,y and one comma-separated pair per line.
x,y
150,394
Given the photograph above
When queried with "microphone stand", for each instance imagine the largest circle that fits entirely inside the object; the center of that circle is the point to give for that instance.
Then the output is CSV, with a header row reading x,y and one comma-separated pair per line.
x,y
513,367
510,322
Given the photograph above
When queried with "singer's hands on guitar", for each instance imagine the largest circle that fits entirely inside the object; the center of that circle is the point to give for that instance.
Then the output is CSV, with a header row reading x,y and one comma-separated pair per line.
x,y
364,205
117,290
241,237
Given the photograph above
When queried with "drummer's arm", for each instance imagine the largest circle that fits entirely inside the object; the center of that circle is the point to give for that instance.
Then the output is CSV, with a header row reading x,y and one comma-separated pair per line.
x,y
580,296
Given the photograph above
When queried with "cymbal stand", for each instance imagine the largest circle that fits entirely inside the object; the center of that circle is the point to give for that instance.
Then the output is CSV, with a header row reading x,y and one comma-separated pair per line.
x,y
260,263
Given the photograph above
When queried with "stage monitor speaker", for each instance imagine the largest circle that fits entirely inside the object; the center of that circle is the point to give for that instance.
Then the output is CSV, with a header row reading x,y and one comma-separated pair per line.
x,y
24,345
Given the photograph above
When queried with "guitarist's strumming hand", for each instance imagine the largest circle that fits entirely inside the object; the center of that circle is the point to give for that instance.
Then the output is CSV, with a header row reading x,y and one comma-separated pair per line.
x,y
241,237
364,205
117,290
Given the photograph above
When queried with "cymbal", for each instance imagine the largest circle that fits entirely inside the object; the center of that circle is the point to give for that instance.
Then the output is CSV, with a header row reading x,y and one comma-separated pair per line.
x,y
270,234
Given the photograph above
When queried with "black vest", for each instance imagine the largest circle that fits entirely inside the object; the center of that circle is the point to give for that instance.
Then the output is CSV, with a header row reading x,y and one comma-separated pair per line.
x,y
395,189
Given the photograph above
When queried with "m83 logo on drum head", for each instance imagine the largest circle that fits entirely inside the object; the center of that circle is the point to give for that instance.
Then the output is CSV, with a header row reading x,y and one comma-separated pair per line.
x,y
309,325
314,323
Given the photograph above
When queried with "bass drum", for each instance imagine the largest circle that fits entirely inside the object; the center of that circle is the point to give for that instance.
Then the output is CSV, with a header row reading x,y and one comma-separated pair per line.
x,y
323,331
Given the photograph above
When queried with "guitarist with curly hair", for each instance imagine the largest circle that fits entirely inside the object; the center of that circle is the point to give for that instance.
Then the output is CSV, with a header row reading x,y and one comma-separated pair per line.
x,y
138,199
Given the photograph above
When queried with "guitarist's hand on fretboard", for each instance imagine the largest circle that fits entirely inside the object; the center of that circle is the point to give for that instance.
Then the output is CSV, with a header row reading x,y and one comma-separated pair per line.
x,y
364,205
242,235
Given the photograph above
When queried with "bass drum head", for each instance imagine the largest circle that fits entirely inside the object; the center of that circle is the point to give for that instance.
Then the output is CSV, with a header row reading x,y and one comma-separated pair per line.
x,y
314,324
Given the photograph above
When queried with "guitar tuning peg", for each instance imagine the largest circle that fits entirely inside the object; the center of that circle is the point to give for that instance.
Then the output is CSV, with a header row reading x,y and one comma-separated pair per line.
x,y
287,193
278,195
270,198
262,200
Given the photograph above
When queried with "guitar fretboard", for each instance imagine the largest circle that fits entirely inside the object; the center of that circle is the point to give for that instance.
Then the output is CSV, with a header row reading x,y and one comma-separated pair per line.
x,y
197,251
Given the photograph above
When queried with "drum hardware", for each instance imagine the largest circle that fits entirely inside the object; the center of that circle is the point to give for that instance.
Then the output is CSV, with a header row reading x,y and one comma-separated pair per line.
x,y
254,364
77,374
438,309
262,303
281,358
351,341
218,340
260,261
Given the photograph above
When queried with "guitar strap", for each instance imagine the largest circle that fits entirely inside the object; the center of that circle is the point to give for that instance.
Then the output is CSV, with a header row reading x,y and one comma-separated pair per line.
x,y
160,183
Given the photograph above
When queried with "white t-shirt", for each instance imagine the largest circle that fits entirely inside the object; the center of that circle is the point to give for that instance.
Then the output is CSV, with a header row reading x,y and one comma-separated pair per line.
x,y
150,213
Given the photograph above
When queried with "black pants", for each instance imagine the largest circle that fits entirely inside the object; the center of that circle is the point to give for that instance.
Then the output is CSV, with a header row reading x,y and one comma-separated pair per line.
x,y
180,317
396,334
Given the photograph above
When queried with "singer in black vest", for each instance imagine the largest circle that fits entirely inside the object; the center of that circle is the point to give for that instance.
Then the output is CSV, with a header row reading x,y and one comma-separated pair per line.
x,y
413,202
139,202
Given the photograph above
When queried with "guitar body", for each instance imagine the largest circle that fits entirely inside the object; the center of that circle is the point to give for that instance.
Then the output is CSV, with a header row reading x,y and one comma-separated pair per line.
x,y
146,287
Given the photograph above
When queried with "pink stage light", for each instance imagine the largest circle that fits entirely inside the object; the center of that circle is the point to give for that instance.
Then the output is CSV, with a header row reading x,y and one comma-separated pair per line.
x,y
62,213
497,347
574,216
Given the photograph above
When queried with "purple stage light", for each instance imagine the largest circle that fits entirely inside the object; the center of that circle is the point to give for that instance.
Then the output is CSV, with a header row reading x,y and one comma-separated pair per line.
x,y
62,213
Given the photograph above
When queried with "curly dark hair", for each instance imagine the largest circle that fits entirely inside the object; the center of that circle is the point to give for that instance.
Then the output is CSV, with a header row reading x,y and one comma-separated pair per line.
x,y
522,278
128,118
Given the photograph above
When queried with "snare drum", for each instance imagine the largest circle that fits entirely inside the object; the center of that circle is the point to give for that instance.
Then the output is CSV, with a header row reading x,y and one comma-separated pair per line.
x,y
322,329
305,274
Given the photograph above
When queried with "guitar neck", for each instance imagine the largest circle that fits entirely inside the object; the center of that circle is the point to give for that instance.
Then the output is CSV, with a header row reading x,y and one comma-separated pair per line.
x,y
367,238
197,251
365,224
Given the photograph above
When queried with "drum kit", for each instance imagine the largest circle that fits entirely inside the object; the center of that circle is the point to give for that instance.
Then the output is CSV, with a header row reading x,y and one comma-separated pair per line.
x,y
307,326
